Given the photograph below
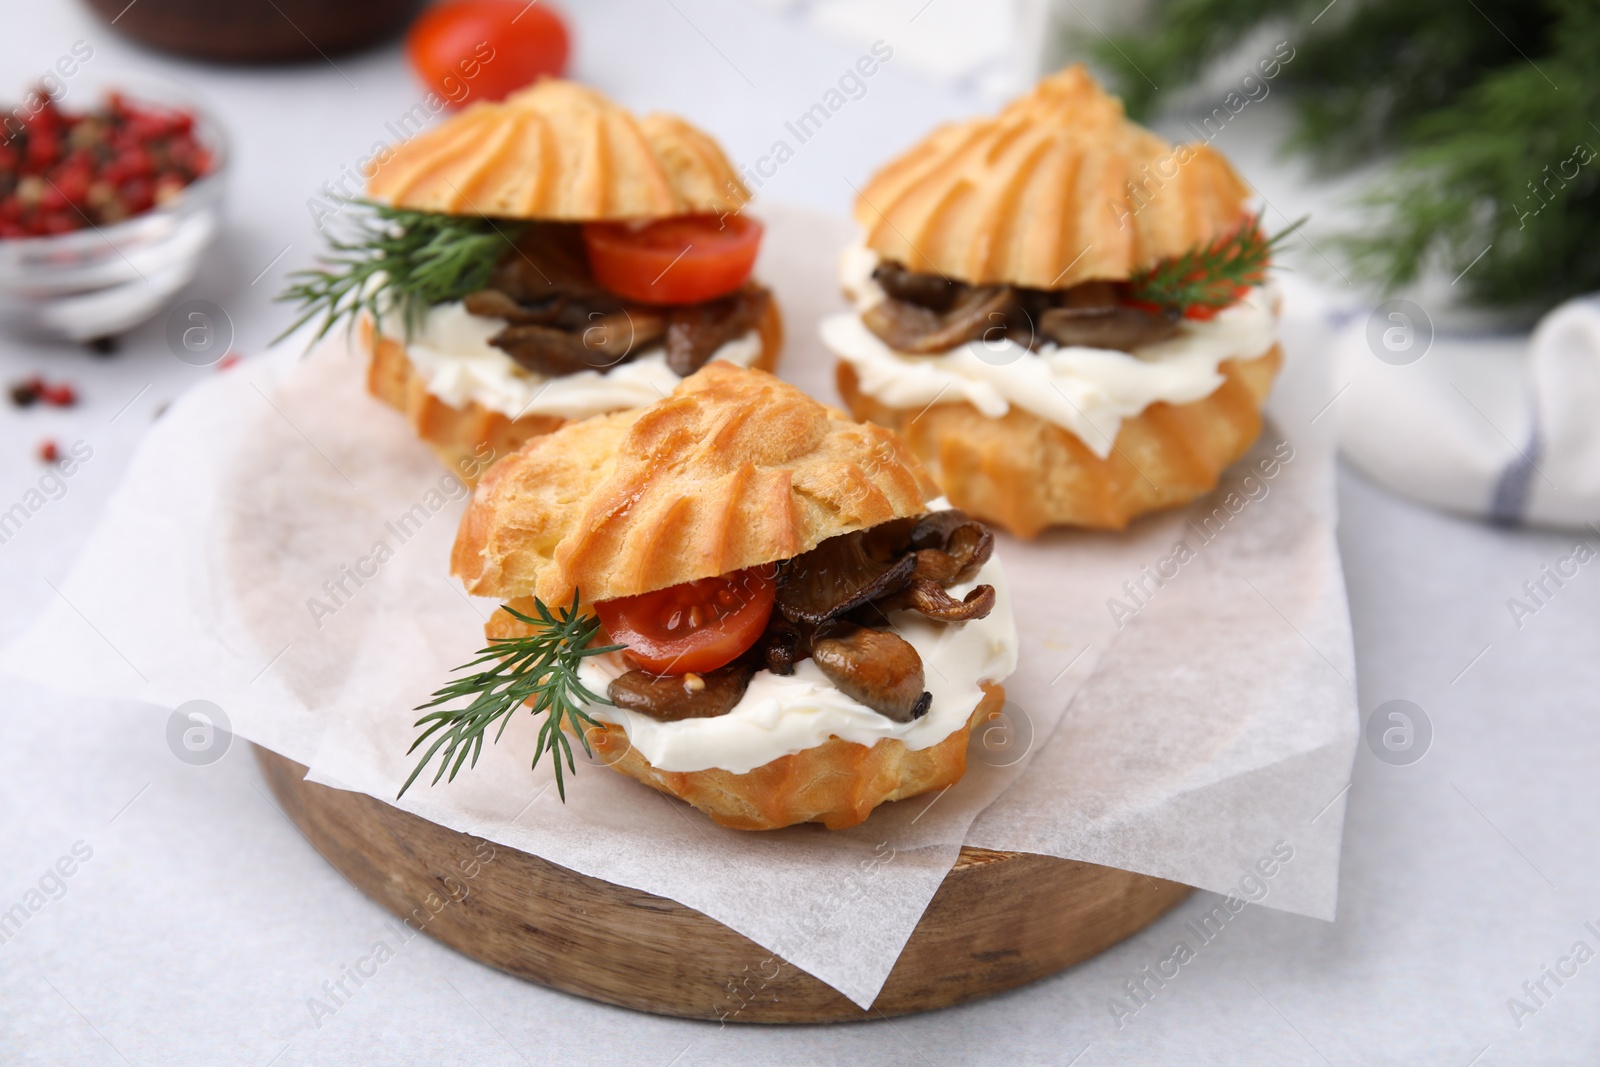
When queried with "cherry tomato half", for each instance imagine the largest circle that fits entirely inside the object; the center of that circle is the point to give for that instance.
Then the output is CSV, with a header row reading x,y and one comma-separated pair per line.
x,y
468,50
697,626
1205,313
673,261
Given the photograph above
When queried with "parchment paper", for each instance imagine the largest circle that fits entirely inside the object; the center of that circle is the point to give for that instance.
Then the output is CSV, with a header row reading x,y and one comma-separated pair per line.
x,y
1211,727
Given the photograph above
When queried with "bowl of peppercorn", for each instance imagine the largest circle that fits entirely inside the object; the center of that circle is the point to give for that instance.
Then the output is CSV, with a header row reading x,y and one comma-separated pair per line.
x,y
104,210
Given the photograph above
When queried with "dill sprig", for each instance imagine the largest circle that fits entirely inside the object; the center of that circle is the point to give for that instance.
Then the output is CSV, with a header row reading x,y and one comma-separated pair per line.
x,y
1214,275
1482,116
540,669
398,258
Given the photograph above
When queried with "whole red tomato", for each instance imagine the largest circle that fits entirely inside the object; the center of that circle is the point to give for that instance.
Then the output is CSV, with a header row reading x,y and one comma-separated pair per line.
x,y
467,50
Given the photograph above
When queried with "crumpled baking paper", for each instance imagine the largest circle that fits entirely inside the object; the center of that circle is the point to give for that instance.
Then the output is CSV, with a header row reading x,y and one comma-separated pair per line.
x,y
1183,707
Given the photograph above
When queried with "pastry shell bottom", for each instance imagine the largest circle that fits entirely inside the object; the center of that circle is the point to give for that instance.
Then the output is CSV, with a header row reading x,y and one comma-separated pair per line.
x,y
468,439
1026,474
837,783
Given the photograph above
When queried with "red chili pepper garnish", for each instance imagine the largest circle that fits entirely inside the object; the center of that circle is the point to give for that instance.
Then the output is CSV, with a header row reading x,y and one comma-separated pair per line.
x,y
61,172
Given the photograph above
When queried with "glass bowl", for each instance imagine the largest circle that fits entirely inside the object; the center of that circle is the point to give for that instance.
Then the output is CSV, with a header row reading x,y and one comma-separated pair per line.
x,y
102,280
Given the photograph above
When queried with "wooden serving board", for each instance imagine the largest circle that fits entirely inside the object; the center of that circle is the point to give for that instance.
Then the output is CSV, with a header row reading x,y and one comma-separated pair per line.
x,y
999,920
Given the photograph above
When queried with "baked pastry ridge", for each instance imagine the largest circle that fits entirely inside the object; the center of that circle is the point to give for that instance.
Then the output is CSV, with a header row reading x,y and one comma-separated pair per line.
x,y
1058,188
558,150
733,469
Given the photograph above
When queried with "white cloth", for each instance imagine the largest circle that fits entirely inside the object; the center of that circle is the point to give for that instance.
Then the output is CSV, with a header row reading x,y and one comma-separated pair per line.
x,y
993,49
1502,426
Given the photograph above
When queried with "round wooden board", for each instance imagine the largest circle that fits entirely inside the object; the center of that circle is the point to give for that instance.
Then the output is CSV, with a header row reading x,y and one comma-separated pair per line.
x,y
999,920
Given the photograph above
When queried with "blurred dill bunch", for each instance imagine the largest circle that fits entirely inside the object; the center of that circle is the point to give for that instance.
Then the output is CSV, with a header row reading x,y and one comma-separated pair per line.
x,y
1483,110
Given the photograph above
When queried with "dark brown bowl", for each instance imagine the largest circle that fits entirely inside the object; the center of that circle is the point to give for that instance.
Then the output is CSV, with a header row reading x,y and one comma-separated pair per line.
x,y
258,31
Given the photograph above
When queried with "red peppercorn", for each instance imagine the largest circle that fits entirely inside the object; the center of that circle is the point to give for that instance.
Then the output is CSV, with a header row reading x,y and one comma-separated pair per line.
x,y
61,172
52,199
138,194
62,396
72,184
42,150
49,452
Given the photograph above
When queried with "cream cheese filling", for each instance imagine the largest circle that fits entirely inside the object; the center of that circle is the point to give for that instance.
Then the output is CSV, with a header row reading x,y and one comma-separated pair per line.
x,y
1086,391
452,355
783,714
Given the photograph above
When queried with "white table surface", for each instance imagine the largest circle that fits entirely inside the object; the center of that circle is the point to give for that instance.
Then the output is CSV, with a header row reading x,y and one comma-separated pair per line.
x,y
202,921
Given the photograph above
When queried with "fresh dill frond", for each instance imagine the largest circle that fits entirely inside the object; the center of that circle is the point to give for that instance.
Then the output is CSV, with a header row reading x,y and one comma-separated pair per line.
x,y
1482,116
540,670
397,258
1214,275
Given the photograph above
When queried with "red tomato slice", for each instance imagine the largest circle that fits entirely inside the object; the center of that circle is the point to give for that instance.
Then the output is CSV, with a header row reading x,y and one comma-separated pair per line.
x,y
486,49
1205,313
673,261
698,626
